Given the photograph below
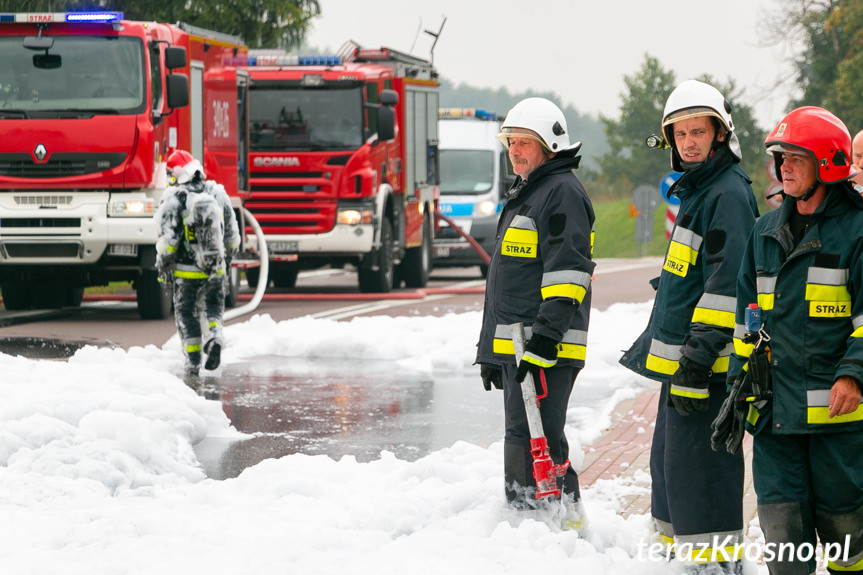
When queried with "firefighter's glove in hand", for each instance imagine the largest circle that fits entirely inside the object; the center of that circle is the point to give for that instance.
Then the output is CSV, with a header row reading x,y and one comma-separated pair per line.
x,y
491,375
730,423
539,352
689,387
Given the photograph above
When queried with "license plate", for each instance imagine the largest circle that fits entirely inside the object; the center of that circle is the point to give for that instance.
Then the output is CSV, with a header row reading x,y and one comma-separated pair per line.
x,y
441,252
283,247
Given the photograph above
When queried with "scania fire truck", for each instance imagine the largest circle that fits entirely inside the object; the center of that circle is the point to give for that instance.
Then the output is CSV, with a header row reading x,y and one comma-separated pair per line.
x,y
90,107
344,163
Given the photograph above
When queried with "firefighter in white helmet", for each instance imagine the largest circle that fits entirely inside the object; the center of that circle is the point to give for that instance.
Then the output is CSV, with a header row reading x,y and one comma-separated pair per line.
x,y
198,238
688,340
539,275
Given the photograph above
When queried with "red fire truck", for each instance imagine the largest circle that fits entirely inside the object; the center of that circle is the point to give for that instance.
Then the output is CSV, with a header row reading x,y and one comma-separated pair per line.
x,y
90,107
344,164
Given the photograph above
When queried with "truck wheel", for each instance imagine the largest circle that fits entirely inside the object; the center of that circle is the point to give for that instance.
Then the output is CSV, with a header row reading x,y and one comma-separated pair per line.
x,y
74,297
15,297
379,280
284,274
232,289
153,301
252,277
416,267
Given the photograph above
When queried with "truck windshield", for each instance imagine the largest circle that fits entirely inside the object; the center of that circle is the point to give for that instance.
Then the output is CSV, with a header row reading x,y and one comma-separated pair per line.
x,y
78,74
466,171
305,119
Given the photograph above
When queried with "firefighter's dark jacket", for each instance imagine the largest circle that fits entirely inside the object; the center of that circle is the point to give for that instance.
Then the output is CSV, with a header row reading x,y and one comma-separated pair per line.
x,y
541,266
811,296
693,312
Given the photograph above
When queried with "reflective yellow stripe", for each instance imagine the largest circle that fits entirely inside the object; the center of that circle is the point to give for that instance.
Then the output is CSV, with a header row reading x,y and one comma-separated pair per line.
x,y
679,258
660,364
836,567
829,309
519,243
171,249
765,301
213,324
713,317
720,365
193,347
752,416
743,349
572,351
689,392
570,291
190,275
822,415
503,346
817,292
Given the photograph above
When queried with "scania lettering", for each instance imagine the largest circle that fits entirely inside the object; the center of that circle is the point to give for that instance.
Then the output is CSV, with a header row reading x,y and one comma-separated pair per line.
x,y
344,162
91,105
474,172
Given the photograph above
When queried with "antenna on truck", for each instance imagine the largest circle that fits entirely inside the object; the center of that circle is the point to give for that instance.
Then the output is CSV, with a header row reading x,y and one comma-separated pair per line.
x,y
434,35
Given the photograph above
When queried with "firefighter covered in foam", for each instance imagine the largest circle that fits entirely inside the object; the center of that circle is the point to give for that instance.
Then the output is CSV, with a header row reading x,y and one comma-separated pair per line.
x,y
803,266
697,494
198,238
540,276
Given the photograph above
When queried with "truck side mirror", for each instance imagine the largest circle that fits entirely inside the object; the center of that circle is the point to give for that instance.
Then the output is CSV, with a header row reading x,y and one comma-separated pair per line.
x,y
177,90
175,57
386,123
389,97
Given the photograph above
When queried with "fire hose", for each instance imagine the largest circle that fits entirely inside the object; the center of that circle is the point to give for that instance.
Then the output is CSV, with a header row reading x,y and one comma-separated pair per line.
x,y
264,278
545,471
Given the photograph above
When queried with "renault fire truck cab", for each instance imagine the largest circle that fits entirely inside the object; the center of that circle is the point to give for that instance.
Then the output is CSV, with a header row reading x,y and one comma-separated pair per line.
x,y
91,105
475,173
343,156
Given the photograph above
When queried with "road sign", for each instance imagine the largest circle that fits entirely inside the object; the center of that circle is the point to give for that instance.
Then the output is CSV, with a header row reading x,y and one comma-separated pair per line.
x,y
665,184
645,199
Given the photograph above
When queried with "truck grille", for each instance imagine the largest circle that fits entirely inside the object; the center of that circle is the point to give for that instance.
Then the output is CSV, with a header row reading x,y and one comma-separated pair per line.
x,y
41,250
39,223
59,165
292,202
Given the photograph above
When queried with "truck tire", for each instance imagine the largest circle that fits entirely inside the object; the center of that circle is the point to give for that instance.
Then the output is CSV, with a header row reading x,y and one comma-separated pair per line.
x,y
416,267
153,301
252,277
15,297
379,280
232,289
284,274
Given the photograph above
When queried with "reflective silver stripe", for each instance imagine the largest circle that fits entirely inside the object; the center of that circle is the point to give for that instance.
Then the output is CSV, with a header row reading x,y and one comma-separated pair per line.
x,y
523,223
501,331
857,322
187,268
818,398
665,350
575,337
727,350
718,302
765,284
566,277
827,276
740,331
719,546
687,238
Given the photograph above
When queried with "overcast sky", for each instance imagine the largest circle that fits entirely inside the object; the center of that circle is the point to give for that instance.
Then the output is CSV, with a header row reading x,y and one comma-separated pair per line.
x,y
580,49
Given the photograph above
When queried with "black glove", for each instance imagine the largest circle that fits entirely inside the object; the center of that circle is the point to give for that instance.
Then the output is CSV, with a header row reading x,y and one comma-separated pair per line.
x,y
539,352
730,423
689,387
491,374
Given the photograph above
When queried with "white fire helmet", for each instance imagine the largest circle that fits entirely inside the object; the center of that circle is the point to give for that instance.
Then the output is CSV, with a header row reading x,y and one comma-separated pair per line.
x,y
691,99
540,120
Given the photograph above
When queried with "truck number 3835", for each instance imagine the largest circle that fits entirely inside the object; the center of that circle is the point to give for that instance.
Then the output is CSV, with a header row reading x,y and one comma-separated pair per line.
x,y
221,120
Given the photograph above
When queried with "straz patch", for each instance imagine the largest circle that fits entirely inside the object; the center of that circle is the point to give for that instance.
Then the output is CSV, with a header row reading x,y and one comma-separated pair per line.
x,y
676,266
829,309
518,250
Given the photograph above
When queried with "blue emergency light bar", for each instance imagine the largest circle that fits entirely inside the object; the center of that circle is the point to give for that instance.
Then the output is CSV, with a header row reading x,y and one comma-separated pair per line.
x,y
55,17
465,113
280,59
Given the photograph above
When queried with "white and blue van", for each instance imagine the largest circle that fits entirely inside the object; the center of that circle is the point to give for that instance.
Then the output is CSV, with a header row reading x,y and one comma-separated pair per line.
x,y
474,175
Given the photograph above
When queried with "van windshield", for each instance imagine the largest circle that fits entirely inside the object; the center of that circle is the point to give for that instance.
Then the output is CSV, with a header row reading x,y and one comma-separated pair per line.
x,y
466,171
97,74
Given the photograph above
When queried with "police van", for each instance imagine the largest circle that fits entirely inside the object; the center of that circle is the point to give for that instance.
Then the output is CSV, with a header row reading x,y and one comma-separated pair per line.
x,y
474,175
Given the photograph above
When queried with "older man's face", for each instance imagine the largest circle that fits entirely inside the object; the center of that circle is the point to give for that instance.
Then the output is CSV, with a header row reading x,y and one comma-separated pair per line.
x,y
526,155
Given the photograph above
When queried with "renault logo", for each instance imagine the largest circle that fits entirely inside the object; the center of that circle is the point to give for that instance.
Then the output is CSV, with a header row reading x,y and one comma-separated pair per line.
x,y
40,152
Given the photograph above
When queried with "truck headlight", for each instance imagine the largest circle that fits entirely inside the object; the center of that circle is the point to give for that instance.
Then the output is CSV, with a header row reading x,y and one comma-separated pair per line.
x,y
354,216
137,207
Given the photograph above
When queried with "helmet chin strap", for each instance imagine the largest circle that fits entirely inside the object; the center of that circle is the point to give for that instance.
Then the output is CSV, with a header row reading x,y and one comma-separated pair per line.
x,y
808,194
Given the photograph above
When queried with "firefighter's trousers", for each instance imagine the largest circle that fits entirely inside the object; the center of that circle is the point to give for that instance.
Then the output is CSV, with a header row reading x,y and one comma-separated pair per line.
x,y
697,493
517,460
197,302
808,485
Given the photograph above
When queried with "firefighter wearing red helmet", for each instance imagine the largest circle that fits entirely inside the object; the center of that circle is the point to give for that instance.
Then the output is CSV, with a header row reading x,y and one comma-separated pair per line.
x,y
198,237
803,267
696,493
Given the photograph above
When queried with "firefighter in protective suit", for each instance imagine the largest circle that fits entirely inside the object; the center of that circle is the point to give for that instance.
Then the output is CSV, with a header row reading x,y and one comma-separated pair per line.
x,y
540,276
198,238
696,493
803,266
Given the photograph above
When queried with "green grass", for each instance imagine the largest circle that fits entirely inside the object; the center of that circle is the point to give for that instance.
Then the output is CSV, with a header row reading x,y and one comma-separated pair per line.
x,y
615,231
